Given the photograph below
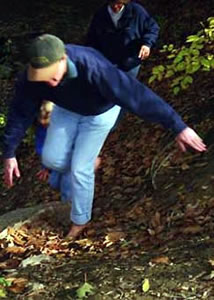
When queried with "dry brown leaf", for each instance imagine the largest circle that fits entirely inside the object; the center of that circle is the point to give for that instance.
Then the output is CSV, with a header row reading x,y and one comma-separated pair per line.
x,y
91,232
111,221
159,229
18,285
156,220
9,264
160,260
194,229
15,250
185,166
114,237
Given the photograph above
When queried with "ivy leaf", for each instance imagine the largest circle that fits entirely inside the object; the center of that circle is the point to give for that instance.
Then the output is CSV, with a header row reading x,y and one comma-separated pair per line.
x,y
85,290
145,285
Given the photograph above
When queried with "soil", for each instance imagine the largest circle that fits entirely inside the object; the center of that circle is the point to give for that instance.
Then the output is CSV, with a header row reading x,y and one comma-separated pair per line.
x,y
152,231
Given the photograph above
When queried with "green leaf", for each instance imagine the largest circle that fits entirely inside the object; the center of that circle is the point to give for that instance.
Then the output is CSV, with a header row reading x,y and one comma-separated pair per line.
x,y
192,38
2,122
177,80
3,293
85,290
170,47
169,73
180,67
145,285
156,70
152,78
4,282
176,90
194,67
184,84
205,62
161,68
188,79
178,59
160,76
171,56
195,52
199,46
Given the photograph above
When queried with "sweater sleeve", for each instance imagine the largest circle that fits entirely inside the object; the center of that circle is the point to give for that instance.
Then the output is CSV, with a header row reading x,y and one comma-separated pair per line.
x,y
129,93
22,112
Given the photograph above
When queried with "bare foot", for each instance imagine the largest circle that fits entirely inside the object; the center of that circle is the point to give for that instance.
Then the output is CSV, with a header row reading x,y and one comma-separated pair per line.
x,y
75,231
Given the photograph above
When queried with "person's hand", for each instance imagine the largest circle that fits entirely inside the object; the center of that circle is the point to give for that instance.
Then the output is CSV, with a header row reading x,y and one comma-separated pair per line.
x,y
43,174
188,137
144,52
10,168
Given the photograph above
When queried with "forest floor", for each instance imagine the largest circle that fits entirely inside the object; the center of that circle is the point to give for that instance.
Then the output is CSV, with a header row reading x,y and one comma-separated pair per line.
x,y
151,236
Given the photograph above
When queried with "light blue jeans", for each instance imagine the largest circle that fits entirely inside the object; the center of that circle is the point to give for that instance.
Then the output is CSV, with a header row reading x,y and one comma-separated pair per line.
x,y
134,73
71,147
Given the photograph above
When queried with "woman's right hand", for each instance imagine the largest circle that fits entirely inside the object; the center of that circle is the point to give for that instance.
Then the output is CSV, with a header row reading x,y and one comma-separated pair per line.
x,y
10,168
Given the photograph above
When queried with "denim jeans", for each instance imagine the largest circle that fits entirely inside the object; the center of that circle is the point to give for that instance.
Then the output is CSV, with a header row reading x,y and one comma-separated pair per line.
x,y
133,72
71,147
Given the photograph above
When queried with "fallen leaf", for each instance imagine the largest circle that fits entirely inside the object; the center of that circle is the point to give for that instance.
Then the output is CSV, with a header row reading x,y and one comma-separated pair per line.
x,y
160,260
211,261
194,229
15,250
145,285
114,237
185,166
34,260
85,290
156,221
18,285
9,264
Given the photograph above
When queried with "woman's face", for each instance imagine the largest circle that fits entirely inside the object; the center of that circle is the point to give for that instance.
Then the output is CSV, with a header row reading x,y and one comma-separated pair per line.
x,y
116,6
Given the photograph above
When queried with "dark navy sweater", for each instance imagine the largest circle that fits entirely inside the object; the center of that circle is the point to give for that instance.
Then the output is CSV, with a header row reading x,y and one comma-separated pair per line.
x,y
95,88
121,45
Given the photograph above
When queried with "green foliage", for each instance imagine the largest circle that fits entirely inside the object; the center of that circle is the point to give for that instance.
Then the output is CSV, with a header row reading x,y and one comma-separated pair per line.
x,y
3,284
30,136
85,290
2,120
182,63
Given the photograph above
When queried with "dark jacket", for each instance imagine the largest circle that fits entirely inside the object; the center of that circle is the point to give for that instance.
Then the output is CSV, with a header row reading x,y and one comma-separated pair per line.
x,y
122,45
97,86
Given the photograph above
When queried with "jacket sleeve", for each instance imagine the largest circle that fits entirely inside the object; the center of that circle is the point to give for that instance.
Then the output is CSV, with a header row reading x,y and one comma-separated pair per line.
x,y
22,112
149,29
129,93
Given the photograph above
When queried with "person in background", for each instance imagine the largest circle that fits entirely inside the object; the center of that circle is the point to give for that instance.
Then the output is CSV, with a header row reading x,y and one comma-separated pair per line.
x,y
124,32
88,91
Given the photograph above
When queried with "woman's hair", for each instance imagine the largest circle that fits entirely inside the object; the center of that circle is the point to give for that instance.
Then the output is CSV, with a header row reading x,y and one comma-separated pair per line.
x,y
120,1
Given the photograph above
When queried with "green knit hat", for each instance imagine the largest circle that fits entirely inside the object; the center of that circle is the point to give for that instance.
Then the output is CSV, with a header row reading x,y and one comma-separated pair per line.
x,y
44,54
